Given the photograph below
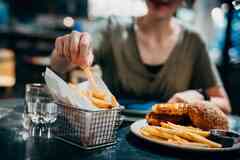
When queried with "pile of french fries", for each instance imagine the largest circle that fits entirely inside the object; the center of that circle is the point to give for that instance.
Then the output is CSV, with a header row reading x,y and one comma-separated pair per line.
x,y
180,135
97,97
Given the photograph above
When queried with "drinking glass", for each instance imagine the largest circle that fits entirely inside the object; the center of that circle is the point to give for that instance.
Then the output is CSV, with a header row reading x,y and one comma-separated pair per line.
x,y
40,106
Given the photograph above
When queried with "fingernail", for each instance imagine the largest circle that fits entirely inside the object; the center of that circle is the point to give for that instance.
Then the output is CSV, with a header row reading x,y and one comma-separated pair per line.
x,y
84,41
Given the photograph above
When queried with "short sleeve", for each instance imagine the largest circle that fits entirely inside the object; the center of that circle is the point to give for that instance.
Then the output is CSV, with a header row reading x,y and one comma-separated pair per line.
x,y
205,74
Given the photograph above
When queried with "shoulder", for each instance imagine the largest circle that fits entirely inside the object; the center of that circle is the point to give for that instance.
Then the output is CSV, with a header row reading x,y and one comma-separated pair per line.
x,y
194,43
192,36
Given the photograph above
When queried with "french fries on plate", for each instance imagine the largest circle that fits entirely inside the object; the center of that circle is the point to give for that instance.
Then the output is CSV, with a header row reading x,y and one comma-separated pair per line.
x,y
181,135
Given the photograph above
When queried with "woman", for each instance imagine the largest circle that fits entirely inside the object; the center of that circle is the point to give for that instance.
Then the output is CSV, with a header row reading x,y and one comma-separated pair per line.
x,y
149,57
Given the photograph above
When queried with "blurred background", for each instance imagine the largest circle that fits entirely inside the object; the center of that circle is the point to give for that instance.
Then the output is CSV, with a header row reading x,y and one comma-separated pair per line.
x,y
28,29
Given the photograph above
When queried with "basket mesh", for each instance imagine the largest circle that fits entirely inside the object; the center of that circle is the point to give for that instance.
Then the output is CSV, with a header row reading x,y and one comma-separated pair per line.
x,y
87,128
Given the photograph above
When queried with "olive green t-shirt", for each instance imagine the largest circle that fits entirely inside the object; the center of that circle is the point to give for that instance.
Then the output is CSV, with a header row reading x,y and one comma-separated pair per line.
x,y
116,51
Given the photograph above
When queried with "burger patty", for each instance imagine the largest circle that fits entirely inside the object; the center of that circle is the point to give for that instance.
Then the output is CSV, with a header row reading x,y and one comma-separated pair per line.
x,y
156,119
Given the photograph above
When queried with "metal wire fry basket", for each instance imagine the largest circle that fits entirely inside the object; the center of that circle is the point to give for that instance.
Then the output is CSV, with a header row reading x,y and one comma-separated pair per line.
x,y
87,129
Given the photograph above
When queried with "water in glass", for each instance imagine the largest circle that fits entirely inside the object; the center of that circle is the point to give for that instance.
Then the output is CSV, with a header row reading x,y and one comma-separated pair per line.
x,y
39,104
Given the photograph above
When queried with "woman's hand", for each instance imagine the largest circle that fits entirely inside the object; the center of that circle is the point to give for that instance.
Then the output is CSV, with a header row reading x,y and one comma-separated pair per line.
x,y
217,96
189,96
75,47
204,114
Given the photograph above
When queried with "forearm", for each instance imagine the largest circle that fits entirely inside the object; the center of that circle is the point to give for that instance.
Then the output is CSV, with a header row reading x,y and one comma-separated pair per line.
x,y
222,103
216,96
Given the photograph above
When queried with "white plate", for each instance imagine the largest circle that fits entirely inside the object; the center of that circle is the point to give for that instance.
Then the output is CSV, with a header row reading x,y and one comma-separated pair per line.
x,y
136,126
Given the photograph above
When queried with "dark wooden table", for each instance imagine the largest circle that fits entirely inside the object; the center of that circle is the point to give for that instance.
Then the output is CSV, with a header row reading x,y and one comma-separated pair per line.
x,y
16,144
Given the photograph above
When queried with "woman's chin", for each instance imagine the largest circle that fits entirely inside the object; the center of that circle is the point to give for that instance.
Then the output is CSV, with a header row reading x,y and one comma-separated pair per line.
x,y
160,15
161,12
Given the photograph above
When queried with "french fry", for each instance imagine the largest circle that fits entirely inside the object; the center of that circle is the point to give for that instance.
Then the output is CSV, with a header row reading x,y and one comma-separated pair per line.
x,y
114,101
163,135
147,134
98,94
172,141
187,129
153,131
101,103
190,136
192,144
188,144
182,141
89,75
191,127
179,139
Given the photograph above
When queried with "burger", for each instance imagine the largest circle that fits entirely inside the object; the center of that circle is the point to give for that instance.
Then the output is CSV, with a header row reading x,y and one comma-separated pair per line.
x,y
203,115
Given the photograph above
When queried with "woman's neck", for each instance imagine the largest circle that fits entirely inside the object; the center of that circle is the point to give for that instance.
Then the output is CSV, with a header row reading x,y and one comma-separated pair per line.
x,y
159,28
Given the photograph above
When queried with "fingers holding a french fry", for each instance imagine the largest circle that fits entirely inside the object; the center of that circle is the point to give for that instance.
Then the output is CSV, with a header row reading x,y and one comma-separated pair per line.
x,y
76,48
